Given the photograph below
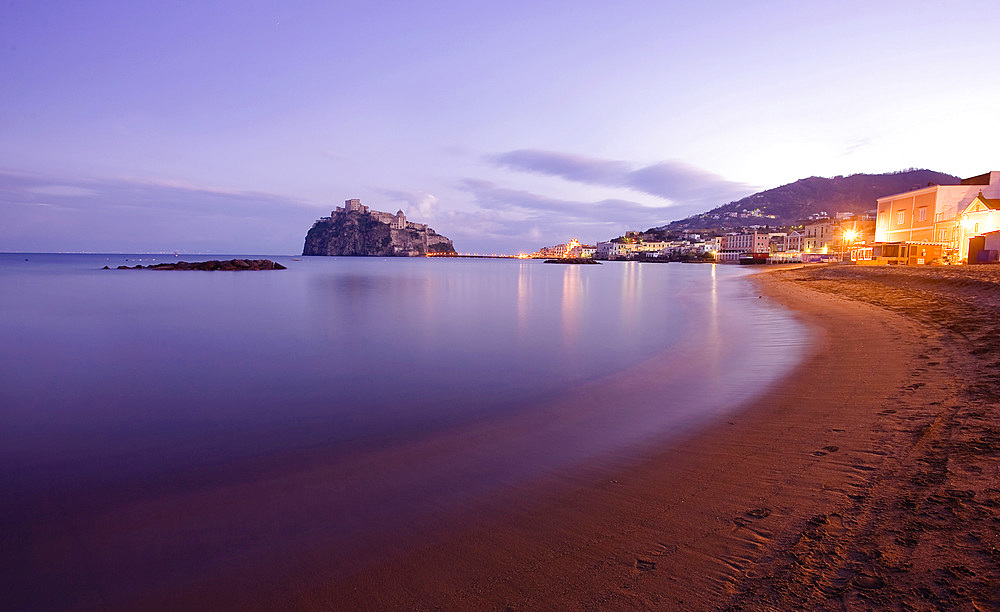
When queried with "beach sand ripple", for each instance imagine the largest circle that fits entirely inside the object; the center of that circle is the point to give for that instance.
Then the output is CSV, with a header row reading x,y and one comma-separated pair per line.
x,y
922,531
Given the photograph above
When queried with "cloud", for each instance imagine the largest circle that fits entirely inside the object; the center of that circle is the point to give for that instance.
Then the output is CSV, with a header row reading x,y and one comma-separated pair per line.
x,y
418,205
671,180
511,219
855,145
38,213
575,168
611,211
62,190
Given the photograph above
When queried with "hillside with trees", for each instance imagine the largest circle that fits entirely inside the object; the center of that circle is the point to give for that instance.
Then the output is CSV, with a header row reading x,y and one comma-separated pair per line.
x,y
790,204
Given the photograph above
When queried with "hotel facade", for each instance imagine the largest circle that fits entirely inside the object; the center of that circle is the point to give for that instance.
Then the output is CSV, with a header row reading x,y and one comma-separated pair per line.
x,y
941,214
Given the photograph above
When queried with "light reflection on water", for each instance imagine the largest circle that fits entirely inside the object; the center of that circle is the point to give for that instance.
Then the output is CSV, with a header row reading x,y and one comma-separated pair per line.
x,y
126,380
344,349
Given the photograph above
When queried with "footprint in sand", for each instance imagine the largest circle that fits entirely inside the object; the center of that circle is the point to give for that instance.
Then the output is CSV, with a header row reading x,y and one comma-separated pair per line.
x,y
867,583
644,566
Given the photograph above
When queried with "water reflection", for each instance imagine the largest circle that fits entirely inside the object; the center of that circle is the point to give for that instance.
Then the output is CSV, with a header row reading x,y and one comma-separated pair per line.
x,y
631,291
713,341
572,303
523,296
343,397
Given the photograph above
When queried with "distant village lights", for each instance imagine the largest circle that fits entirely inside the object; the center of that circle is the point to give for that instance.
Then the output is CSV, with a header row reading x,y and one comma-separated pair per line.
x,y
937,224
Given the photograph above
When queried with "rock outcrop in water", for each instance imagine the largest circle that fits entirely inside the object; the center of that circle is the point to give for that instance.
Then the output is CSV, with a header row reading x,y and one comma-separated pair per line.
x,y
231,265
355,230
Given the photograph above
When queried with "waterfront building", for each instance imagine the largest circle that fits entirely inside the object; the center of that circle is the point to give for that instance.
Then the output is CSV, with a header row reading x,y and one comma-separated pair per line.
x,y
932,214
604,250
818,236
794,241
615,250
754,242
985,248
981,216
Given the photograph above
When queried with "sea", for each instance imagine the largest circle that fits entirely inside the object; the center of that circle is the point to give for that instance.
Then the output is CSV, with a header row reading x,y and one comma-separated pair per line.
x,y
160,429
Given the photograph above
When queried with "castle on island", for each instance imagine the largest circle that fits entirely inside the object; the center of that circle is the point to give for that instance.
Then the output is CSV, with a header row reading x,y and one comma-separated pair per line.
x,y
395,221
355,230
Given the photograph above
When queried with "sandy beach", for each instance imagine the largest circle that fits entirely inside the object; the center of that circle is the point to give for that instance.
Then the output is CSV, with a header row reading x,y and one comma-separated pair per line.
x,y
868,480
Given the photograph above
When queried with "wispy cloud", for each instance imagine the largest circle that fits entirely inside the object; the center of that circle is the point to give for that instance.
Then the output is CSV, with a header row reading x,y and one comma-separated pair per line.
x,y
40,213
419,205
523,220
613,211
62,190
675,181
855,145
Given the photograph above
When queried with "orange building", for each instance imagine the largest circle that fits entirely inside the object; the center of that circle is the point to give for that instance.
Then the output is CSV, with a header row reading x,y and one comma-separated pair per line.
x,y
931,214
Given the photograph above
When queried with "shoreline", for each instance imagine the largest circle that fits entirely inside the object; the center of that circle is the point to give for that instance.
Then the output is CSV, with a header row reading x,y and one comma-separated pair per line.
x,y
867,478
809,497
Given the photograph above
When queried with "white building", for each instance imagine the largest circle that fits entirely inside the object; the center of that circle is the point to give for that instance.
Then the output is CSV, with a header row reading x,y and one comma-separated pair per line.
x,y
794,241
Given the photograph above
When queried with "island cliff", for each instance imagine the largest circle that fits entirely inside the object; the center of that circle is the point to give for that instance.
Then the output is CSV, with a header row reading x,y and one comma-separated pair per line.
x,y
355,230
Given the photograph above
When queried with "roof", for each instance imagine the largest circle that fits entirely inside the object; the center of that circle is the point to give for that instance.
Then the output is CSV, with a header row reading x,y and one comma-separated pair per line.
x,y
982,179
993,204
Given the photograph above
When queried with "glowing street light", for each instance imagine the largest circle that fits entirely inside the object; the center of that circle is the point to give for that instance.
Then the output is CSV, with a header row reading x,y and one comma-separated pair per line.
x,y
849,236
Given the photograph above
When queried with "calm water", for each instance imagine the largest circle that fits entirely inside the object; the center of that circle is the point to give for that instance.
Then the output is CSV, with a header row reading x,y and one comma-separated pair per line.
x,y
161,427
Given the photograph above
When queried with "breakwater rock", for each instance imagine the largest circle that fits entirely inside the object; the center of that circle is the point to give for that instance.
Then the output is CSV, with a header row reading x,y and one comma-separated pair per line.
x,y
574,260
231,265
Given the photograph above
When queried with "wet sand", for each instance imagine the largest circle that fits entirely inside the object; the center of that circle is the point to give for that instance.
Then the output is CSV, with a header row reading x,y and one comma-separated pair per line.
x,y
868,480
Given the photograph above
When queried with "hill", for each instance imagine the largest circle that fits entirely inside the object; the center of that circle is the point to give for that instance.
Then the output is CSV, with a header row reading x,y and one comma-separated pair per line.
x,y
791,203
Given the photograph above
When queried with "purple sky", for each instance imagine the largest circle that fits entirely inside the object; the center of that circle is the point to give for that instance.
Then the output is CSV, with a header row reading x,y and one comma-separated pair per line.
x,y
230,126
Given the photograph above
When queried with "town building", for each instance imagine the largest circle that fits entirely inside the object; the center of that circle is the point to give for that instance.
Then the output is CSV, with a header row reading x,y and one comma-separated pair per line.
x,y
793,241
727,256
818,236
932,214
604,250
985,248
754,242
980,217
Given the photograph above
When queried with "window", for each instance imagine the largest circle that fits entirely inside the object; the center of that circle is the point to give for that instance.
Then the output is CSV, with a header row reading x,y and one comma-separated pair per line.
x,y
900,217
922,213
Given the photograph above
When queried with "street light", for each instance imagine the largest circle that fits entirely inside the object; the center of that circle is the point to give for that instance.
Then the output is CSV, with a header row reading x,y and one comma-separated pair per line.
x,y
848,237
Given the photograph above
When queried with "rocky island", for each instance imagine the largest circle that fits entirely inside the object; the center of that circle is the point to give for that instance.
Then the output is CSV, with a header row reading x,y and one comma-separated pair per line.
x,y
232,265
353,229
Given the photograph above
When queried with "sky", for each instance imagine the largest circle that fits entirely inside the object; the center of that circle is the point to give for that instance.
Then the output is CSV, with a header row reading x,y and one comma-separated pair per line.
x,y
230,126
